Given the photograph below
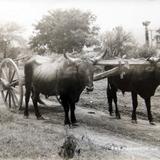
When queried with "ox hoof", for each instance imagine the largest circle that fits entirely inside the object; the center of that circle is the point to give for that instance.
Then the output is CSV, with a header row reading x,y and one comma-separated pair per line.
x,y
40,118
67,123
20,109
75,124
118,117
74,120
26,116
134,121
152,123
68,126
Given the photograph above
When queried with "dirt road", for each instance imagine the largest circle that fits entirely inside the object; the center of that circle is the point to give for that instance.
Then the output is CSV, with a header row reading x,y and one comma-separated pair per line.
x,y
99,136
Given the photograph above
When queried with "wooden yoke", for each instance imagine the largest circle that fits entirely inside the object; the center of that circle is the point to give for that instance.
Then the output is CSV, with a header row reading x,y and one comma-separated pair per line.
x,y
105,74
119,67
123,67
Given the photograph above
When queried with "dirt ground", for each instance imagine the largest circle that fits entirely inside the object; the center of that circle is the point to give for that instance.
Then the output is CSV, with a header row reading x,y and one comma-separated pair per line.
x,y
98,135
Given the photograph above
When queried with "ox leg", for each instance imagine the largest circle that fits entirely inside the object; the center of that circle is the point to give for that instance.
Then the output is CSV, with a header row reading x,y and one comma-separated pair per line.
x,y
109,98
148,105
35,98
116,106
39,100
72,109
135,104
27,97
66,109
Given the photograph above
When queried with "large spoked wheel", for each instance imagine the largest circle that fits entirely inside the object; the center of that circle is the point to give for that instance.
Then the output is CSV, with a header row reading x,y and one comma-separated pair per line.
x,y
11,85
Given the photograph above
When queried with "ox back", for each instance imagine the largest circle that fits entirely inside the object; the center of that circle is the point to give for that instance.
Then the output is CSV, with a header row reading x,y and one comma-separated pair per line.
x,y
139,80
54,78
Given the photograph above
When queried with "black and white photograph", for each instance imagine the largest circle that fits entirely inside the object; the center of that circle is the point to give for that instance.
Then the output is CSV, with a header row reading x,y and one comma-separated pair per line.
x,y
80,79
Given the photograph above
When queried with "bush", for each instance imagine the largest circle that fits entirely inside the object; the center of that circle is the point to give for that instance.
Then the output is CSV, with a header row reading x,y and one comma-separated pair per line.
x,y
145,52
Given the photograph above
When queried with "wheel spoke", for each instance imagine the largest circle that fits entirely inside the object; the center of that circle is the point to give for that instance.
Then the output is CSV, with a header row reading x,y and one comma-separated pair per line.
x,y
9,100
14,83
4,74
6,95
15,98
6,71
13,74
9,72
15,90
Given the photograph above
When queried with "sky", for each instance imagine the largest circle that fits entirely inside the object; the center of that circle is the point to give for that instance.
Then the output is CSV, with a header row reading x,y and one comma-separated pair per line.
x,y
110,13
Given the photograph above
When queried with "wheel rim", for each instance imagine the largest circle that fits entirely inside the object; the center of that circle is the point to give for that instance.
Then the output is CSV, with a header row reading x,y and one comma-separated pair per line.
x,y
12,90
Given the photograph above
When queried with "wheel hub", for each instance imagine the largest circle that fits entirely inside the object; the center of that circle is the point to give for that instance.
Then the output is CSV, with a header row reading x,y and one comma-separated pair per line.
x,y
4,84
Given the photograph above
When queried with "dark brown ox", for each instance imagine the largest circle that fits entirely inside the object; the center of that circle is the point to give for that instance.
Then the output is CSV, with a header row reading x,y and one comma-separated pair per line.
x,y
65,77
139,80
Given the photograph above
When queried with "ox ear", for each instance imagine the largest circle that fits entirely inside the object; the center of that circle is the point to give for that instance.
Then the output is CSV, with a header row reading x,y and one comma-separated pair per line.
x,y
70,58
153,59
96,59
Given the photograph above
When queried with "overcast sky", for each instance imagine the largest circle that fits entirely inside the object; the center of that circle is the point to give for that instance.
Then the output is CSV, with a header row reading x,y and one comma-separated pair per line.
x,y
110,13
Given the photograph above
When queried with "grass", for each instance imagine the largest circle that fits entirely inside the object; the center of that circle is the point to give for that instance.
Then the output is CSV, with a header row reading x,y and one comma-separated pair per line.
x,y
6,116
20,138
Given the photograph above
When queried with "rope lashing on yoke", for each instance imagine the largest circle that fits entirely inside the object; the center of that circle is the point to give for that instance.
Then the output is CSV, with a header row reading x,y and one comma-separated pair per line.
x,y
123,65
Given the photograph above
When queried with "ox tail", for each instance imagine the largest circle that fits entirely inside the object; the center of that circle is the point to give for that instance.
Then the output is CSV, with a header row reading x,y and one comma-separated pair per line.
x,y
123,92
28,73
59,99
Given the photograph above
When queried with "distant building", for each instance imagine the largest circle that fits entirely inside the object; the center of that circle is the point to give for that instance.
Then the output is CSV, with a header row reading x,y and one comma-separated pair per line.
x,y
157,37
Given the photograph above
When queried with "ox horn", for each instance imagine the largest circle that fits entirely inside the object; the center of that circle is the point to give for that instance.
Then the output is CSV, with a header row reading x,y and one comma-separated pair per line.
x,y
70,58
96,59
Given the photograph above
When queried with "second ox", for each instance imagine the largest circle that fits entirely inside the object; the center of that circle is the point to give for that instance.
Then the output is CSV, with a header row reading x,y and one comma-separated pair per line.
x,y
65,77
139,80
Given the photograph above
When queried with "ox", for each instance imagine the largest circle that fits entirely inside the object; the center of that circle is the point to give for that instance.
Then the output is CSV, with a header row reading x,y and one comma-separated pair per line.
x,y
139,80
65,77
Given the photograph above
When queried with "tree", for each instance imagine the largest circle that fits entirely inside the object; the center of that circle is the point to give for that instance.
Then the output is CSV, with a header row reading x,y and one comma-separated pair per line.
x,y
118,41
10,40
64,30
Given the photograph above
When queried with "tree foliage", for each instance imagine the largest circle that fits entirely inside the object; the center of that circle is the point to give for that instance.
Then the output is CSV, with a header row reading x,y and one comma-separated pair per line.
x,y
119,42
11,40
145,52
64,30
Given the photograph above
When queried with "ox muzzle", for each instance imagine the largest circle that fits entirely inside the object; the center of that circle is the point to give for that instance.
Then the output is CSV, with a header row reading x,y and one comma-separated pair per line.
x,y
89,88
